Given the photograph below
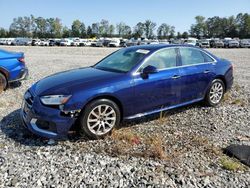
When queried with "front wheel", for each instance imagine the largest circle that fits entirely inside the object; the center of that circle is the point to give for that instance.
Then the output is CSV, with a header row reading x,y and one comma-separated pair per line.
x,y
99,118
215,93
3,82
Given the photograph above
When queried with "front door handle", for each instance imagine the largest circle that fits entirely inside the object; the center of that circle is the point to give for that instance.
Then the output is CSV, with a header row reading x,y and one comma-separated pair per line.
x,y
206,71
176,77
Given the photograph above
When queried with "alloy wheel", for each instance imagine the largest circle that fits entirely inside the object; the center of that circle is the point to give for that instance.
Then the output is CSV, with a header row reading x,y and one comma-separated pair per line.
x,y
216,92
101,119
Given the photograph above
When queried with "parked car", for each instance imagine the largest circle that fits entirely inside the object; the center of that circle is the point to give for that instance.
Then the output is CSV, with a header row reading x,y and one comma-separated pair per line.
x,y
164,42
52,42
6,41
65,42
132,42
85,42
21,42
114,43
203,43
35,42
130,83
153,42
99,43
44,42
12,68
106,42
93,43
2,41
75,42
191,41
216,43
123,42
231,44
244,43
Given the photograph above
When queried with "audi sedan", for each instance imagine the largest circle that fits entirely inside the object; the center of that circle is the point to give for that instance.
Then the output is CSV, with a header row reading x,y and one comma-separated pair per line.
x,y
12,68
130,83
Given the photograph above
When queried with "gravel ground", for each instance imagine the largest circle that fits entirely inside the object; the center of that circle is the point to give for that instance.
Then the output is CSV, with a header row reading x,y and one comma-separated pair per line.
x,y
178,148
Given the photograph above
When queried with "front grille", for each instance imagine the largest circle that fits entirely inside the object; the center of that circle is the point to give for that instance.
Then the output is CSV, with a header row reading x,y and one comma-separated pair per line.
x,y
29,98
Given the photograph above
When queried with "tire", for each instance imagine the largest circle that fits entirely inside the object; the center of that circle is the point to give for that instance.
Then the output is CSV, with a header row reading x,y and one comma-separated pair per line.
x,y
215,93
3,83
95,123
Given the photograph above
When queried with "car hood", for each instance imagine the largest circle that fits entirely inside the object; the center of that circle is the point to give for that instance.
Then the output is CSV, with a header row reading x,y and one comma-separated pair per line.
x,y
68,81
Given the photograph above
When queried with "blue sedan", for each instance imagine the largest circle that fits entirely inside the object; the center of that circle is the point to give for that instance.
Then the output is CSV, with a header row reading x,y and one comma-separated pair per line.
x,y
130,83
12,68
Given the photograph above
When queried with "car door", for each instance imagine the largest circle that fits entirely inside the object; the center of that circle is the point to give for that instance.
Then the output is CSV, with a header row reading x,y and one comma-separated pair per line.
x,y
159,89
196,71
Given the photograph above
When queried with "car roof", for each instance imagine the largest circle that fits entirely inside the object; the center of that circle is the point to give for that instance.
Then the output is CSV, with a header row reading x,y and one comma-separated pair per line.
x,y
154,47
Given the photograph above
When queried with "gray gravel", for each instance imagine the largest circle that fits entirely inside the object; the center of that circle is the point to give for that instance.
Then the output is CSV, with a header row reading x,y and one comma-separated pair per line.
x,y
192,137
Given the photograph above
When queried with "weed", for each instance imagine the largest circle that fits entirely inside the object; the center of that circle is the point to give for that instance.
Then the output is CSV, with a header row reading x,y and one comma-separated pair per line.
x,y
230,164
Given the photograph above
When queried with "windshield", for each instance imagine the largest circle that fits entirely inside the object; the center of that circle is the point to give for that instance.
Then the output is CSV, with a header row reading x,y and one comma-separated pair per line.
x,y
122,60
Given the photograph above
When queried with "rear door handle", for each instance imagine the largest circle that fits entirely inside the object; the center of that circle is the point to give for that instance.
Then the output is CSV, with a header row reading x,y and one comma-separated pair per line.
x,y
176,77
206,71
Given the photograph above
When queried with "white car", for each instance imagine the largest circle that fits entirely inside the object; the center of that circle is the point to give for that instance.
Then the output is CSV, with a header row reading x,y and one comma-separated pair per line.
x,y
191,41
244,43
6,41
114,43
35,42
85,42
164,42
99,43
44,43
154,42
75,42
65,42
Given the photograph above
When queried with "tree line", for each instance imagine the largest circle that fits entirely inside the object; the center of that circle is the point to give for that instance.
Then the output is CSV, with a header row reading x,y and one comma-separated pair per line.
x,y
39,27
231,26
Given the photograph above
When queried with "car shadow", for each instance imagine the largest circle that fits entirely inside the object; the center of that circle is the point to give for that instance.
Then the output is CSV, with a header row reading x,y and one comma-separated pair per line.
x,y
12,126
14,85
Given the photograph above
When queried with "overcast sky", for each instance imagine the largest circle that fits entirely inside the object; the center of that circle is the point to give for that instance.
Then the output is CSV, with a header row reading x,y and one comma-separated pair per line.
x,y
179,13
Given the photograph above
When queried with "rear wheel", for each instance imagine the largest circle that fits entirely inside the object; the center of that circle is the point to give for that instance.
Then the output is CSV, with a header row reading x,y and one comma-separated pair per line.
x,y
99,118
3,82
215,93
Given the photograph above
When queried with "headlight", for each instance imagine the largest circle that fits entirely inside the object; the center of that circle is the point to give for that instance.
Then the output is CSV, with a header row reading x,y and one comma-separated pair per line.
x,y
55,99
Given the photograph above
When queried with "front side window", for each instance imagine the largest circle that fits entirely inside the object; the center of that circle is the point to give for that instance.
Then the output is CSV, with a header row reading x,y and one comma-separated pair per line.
x,y
162,59
191,56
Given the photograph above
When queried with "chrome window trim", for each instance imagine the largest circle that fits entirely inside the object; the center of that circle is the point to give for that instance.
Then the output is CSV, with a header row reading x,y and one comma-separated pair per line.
x,y
212,62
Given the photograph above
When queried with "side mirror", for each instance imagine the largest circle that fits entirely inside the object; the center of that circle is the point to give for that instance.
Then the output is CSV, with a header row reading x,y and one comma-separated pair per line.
x,y
149,70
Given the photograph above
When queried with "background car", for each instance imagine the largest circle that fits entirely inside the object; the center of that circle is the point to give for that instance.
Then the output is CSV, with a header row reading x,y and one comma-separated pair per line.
x,y
244,43
35,42
12,68
216,43
132,82
204,43
114,43
65,42
191,41
75,42
231,44
44,42
52,42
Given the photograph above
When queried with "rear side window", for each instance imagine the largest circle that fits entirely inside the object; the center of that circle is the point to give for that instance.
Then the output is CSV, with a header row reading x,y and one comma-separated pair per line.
x,y
207,58
191,56
162,59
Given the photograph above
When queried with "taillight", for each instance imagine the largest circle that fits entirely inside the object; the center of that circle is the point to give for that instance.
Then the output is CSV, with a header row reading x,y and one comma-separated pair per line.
x,y
21,60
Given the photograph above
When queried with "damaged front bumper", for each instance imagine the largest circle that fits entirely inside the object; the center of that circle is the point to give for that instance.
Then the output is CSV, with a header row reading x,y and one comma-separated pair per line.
x,y
46,121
